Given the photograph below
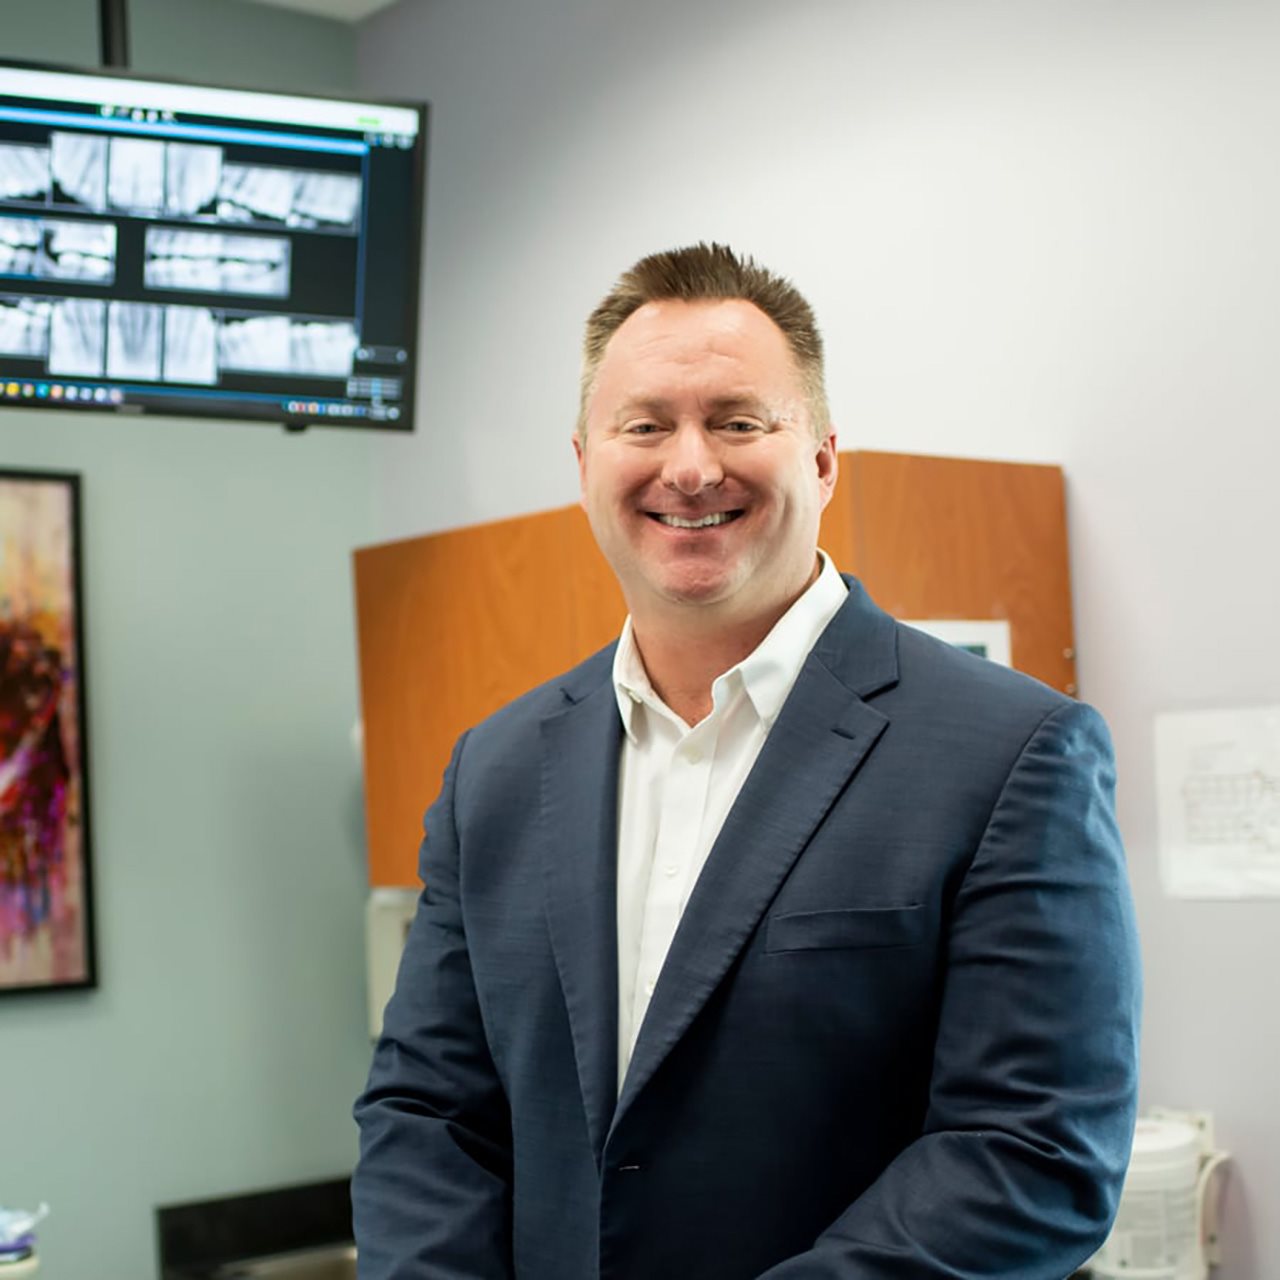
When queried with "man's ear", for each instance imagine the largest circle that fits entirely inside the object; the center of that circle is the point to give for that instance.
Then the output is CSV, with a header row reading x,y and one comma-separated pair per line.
x,y
580,452
828,461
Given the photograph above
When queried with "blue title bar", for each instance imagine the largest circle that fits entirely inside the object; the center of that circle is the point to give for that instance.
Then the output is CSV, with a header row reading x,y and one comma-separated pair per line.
x,y
195,132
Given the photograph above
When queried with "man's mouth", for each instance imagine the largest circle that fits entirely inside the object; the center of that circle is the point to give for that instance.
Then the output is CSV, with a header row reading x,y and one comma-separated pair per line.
x,y
710,520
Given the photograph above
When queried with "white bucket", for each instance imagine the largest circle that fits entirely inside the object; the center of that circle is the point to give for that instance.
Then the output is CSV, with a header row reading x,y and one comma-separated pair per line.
x,y
1157,1230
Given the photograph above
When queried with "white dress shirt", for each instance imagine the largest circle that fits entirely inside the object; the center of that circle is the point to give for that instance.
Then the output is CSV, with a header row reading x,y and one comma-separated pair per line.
x,y
676,785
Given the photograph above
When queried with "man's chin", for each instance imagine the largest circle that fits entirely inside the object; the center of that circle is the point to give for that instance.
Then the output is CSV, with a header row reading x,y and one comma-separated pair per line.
x,y
696,592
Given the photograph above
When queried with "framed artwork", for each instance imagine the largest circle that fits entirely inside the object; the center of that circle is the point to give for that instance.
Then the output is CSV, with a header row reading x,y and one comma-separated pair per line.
x,y
46,904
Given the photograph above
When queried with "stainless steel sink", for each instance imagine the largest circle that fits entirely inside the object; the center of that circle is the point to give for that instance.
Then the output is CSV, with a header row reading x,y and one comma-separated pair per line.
x,y
334,1262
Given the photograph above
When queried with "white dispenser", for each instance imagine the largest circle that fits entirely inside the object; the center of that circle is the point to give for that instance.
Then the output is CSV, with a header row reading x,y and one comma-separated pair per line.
x,y
387,917
1166,1227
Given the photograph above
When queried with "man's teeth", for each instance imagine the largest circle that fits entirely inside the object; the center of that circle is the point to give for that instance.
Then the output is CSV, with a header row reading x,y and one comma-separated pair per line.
x,y
702,522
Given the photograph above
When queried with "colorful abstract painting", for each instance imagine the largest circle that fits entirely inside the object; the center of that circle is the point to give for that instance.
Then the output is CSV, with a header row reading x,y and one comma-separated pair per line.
x,y
46,926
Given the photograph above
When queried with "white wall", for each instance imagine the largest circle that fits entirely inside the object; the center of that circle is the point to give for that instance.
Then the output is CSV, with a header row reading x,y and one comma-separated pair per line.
x,y
1040,232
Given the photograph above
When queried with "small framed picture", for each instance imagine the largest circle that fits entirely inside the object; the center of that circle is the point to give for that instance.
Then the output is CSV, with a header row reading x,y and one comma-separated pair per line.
x,y
46,901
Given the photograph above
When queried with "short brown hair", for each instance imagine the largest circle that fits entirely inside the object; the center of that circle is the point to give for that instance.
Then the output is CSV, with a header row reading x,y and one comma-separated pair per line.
x,y
708,273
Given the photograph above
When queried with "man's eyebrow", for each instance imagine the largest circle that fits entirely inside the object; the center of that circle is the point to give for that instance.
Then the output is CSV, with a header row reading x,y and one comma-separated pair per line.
x,y
658,405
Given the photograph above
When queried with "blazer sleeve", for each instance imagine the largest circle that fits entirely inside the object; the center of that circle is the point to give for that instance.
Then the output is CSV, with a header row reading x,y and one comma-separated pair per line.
x,y
431,1193
1018,1169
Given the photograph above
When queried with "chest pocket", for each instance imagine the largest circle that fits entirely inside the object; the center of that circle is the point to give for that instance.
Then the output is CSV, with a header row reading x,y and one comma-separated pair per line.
x,y
852,927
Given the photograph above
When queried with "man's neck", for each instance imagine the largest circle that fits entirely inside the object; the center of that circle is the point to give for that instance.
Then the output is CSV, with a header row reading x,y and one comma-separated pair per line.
x,y
682,667
684,650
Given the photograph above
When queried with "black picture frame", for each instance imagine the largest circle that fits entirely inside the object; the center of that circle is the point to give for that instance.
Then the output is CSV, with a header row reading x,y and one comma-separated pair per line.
x,y
47,938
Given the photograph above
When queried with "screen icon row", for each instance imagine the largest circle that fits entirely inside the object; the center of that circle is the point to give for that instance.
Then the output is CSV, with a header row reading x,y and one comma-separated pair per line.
x,y
61,391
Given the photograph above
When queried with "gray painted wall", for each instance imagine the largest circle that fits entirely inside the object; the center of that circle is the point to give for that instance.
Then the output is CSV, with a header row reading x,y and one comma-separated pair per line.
x,y
219,41
1042,232
227,1040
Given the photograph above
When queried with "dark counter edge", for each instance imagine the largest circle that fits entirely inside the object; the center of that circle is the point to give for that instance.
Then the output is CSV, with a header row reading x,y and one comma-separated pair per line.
x,y
195,1238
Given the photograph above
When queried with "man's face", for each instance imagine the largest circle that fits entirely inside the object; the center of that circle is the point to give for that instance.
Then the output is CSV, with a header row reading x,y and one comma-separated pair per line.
x,y
700,472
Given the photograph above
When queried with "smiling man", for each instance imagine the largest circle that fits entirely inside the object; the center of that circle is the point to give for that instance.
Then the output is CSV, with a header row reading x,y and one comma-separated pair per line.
x,y
704,477
776,940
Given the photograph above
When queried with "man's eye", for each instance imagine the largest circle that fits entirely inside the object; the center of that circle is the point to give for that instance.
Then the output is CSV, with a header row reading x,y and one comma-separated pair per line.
x,y
641,428
740,427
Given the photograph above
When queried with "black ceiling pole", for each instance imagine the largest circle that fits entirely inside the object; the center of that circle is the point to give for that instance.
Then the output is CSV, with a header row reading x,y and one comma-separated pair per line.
x,y
113,22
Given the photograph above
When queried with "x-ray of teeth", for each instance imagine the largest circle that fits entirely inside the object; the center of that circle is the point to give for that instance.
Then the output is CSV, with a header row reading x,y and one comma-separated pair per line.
x,y
80,250
292,196
78,163
24,172
19,246
257,345
326,349
190,345
134,334
136,179
277,344
247,193
77,328
329,198
50,249
217,263
24,327
192,176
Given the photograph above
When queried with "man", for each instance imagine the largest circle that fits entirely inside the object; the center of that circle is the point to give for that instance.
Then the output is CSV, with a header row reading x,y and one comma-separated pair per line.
x,y
776,940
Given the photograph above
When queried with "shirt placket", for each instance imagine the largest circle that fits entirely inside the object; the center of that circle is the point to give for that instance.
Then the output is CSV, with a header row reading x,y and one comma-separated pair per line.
x,y
684,799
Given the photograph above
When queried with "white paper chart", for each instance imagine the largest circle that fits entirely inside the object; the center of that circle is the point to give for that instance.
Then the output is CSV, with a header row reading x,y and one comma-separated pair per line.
x,y
1218,796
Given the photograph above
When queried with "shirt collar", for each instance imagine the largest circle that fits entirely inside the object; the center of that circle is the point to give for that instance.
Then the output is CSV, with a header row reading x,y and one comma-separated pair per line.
x,y
767,673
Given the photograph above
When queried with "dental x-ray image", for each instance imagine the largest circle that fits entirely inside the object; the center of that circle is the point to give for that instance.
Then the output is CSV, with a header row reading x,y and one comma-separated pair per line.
x,y
78,165
52,249
190,345
134,334
281,344
133,175
253,193
215,262
20,240
135,181
325,349
24,172
192,176
257,344
24,327
77,331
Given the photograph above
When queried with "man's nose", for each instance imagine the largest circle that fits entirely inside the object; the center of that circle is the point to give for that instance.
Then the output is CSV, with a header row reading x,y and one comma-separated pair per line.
x,y
692,461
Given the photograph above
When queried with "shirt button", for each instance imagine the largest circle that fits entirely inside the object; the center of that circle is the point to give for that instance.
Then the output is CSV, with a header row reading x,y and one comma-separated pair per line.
x,y
649,986
693,755
670,869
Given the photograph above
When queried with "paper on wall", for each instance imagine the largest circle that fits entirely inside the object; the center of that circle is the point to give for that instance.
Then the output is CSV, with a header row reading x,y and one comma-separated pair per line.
x,y
1218,803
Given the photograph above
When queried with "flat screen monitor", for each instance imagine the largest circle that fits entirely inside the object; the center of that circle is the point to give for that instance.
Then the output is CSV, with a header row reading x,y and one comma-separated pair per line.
x,y
172,248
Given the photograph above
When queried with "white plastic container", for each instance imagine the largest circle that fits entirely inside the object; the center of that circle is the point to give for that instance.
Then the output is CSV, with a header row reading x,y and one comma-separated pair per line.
x,y
1157,1232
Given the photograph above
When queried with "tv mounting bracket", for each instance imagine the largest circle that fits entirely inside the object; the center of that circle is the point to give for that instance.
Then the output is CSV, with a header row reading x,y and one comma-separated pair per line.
x,y
113,29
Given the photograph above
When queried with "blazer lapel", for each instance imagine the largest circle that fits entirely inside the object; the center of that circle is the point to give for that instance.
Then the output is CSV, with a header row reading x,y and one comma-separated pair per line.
x,y
822,735
580,805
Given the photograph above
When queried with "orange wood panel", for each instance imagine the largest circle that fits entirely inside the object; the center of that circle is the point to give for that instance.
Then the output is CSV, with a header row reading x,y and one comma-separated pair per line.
x,y
445,624
835,535
596,607
958,538
451,627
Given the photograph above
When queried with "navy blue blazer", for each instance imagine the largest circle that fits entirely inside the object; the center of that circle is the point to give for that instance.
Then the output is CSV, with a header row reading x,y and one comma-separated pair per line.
x,y
895,1035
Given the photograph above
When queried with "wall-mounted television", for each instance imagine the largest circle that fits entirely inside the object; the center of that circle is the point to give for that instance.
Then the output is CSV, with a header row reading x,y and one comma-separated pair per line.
x,y
182,249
